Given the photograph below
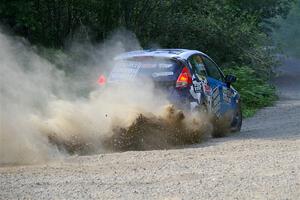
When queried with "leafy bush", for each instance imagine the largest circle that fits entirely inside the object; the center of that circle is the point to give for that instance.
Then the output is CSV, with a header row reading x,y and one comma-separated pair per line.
x,y
255,90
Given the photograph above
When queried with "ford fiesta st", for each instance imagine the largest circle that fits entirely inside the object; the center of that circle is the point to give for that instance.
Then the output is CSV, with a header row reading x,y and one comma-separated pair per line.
x,y
191,79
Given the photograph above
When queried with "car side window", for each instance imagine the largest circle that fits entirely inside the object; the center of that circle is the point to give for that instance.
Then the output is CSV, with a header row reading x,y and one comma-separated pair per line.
x,y
212,69
197,64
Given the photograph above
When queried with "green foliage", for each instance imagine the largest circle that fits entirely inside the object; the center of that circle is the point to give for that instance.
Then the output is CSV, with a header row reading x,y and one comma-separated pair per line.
x,y
255,91
288,33
230,31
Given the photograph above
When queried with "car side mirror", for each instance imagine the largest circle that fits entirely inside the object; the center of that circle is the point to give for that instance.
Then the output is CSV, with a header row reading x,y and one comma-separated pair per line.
x,y
229,79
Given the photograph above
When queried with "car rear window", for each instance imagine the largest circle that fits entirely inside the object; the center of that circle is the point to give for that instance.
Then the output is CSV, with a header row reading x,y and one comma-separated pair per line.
x,y
128,69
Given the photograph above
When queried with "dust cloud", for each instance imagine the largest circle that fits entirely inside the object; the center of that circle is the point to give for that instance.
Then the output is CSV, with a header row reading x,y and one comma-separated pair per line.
x,y
48,113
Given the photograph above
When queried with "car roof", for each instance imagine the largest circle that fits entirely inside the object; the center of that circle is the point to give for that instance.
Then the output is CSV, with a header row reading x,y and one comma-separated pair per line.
x,y
162,53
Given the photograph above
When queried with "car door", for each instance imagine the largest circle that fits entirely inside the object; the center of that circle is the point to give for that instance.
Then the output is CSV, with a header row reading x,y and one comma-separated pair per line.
x,y
221,95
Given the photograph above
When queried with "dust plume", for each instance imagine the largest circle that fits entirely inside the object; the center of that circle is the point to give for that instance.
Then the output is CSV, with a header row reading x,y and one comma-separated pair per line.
x,y
27,83
48,113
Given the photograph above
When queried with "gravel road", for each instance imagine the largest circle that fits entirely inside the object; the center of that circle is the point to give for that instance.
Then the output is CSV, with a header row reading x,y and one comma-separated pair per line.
x,y
261,162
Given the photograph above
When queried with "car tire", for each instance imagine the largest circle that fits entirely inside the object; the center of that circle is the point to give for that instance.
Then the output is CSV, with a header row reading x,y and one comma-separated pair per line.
x,y
237,120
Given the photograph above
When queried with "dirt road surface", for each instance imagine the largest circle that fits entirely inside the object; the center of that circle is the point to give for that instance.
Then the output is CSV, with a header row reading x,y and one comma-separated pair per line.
x,y
261,162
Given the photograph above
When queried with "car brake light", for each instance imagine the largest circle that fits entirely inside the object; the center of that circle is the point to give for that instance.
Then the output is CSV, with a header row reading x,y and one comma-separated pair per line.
x,y
184,79
101,80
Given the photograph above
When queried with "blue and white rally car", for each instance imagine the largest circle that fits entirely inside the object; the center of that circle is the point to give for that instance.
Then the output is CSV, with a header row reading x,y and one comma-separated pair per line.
x,y
191,79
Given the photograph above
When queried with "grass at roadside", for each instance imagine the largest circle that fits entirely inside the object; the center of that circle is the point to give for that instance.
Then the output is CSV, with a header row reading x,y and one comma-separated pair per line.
x,y
255,91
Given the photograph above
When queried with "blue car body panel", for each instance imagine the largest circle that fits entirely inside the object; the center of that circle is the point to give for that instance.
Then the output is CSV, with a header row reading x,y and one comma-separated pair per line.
x,y
227,97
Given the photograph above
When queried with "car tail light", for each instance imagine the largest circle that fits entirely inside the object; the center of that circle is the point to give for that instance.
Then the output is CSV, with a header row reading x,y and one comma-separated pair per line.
x,y
184,79
101,80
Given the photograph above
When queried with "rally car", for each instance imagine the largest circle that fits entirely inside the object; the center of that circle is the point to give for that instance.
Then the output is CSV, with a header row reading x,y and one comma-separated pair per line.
x,y
191,79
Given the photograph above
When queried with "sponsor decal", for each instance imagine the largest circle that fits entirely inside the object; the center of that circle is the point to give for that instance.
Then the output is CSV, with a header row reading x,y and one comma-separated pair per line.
x,y
164,65
216,102
197,87
196,96
227,94
215,93
158,74
197,84
125,72
206,88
